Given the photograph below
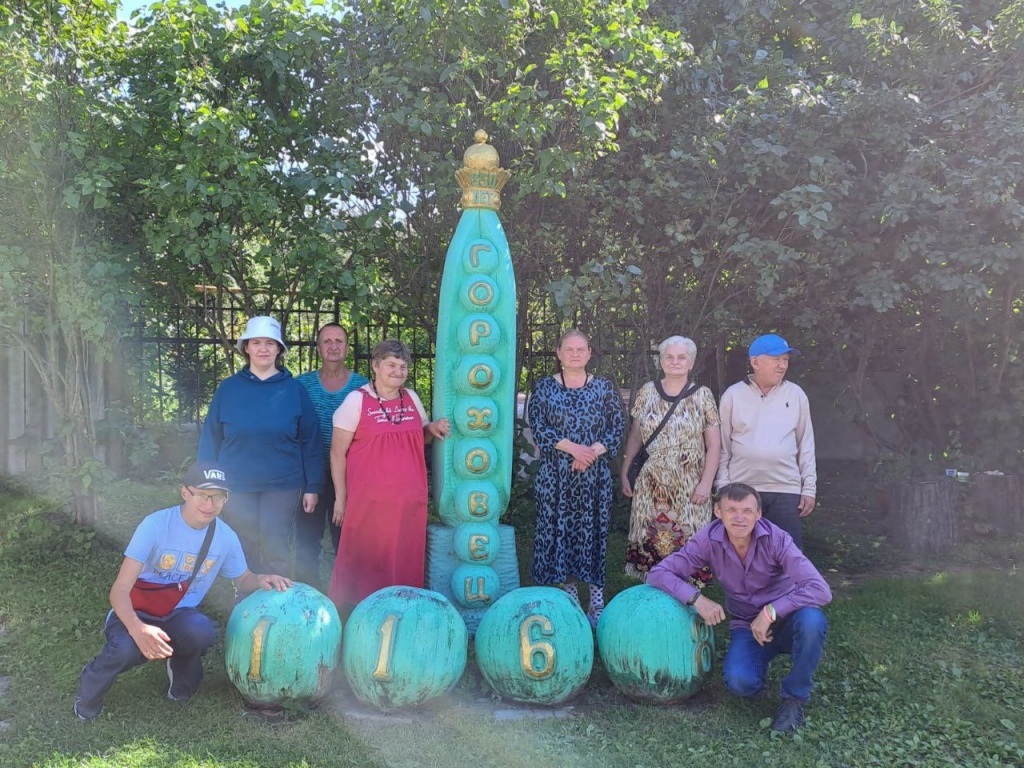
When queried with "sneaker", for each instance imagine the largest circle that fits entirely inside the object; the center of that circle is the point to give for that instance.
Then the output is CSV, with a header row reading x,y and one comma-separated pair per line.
x,y
82,712
170,687
594,616
789,716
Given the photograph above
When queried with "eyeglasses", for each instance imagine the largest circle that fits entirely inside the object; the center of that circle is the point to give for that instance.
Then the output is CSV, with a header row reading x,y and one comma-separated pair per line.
x,y
218,499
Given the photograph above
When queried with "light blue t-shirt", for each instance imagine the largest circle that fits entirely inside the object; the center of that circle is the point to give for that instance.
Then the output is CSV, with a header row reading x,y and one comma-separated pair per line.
x,y
168,548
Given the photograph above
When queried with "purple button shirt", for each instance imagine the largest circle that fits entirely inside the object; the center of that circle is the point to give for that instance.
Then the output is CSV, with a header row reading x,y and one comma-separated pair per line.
x,y
775,572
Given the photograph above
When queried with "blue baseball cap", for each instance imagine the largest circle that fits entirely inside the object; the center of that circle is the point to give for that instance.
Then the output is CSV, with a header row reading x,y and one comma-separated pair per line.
x,y
771,344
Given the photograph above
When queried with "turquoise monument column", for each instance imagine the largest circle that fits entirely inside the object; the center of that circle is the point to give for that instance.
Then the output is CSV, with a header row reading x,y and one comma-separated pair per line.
x,y
471,559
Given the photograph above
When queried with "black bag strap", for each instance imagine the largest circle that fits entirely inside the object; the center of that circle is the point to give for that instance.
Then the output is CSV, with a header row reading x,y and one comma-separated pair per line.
x,y
203,551
693,387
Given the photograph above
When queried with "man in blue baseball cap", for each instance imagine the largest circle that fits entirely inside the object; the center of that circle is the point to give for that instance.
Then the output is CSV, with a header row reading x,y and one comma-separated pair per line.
x,y
767,437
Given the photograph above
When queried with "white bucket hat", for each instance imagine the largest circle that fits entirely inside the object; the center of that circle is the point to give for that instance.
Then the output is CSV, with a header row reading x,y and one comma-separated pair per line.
x,y
261,327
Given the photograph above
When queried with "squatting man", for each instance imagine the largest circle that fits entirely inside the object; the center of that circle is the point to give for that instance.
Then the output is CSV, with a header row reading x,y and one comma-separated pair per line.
x,y
773,593
167,548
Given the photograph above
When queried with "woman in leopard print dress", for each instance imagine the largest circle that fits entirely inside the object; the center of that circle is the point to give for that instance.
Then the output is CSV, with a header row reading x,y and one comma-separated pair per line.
x,y
577,423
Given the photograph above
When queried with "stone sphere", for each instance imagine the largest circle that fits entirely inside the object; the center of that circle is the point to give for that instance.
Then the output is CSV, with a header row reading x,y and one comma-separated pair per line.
x,y
283,646
403,646
654,648
534,645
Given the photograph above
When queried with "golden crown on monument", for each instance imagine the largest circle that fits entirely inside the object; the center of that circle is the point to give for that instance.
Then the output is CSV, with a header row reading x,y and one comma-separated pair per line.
x,y
480,178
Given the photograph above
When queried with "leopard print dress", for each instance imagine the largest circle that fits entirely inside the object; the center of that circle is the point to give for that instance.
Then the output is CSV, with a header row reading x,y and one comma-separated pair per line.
x,y
573,508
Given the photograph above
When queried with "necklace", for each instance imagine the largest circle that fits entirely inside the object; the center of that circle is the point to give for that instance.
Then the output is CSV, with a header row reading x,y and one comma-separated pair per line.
x,y
395,419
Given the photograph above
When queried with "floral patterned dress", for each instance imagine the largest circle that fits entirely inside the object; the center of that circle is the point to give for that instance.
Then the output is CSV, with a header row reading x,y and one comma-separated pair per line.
x,y
663,518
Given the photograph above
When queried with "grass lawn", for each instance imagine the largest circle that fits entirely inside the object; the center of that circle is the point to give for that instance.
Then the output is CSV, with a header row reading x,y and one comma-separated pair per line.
x,y
924,668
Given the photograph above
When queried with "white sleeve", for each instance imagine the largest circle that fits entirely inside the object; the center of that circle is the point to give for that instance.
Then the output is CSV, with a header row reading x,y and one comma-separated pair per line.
x,y
347,415
419,407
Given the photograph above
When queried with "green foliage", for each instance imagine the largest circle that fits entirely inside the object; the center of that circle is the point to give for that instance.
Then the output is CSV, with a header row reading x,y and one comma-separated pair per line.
x,y
59,277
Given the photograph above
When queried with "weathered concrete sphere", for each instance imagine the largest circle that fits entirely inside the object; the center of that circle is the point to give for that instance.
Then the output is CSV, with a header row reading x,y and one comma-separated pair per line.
x,y
403,646
654,648
534,645
283,646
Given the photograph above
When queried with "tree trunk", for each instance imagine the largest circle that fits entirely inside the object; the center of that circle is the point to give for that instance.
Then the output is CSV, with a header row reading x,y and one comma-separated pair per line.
x,y
994,504
926,515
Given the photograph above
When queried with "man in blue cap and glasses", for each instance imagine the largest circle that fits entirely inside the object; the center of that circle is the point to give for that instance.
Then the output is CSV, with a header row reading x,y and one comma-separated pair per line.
x,y
767,437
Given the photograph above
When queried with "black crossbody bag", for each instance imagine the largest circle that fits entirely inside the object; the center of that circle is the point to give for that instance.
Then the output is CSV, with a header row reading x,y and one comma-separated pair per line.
x,y
641,456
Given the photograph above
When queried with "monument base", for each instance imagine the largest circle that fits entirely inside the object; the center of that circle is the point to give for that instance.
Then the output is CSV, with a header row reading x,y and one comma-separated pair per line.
x,y
442,562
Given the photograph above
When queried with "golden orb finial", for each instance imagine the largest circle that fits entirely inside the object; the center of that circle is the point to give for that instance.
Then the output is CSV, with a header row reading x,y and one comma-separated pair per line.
x,y
481,179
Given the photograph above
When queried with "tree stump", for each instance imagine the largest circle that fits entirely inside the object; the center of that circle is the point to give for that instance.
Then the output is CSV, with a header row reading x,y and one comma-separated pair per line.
x,y
925,515
995,504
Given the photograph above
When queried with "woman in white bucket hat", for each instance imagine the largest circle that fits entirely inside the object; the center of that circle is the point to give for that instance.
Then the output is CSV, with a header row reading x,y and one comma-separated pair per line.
x,y
263,429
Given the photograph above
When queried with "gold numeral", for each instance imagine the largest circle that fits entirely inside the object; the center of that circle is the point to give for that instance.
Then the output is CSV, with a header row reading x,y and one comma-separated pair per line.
x,y
259,633
529,648
387,636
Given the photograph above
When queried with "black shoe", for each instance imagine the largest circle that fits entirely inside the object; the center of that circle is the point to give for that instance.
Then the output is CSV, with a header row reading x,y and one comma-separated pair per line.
x,y
789,716
171,695
82,712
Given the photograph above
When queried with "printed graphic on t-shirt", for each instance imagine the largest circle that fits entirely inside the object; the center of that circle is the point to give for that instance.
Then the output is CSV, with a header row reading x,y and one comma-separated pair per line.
x,y
381,416
175,565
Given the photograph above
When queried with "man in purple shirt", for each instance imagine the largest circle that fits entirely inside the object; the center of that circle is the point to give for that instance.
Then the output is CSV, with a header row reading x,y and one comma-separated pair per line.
x,y
774,596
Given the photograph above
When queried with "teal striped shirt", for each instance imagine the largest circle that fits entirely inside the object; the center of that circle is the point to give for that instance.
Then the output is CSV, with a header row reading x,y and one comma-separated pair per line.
x,y
326,403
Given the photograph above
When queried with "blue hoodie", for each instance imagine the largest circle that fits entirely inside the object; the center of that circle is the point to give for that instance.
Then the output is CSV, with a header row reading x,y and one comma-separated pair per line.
x,y
265,434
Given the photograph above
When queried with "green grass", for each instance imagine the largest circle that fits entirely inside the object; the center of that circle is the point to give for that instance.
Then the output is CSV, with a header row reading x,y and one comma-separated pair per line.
x,y
922,671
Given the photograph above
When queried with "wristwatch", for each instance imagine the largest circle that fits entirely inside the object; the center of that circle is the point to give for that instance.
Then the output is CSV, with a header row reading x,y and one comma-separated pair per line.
x,y
693,599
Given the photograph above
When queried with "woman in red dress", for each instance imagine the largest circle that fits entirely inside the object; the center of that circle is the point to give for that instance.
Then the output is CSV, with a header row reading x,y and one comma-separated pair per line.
x,y
380,481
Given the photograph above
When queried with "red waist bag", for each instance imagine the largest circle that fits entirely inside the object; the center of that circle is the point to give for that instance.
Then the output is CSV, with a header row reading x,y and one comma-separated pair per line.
x,y
155,598
159,599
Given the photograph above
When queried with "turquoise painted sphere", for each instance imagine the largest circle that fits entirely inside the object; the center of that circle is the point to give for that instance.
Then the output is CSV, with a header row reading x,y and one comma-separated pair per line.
x,y
535,645
476,416
474,457
474,586
283,646
479,293
476,543
403,646
480,256
477,375
478,333
654,648
475,501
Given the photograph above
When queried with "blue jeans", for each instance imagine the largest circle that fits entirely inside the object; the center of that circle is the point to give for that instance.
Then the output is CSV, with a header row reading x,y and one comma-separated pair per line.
x,y
191,632
783,509
801,635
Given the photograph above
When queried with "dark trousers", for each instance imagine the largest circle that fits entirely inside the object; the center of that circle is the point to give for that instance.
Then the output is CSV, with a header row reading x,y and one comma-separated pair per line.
x,y
783,509
801,635
191,632
309,536
264,523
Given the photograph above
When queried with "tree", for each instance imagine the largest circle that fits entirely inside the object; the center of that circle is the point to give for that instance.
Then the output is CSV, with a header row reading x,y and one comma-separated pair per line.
x,y
61,302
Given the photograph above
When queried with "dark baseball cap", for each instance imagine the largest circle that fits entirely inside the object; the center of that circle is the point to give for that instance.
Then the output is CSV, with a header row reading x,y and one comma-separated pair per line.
x,y
206,475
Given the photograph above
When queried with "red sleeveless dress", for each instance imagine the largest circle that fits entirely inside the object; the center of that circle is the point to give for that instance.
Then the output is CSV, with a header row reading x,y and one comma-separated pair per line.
x,y
384,533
